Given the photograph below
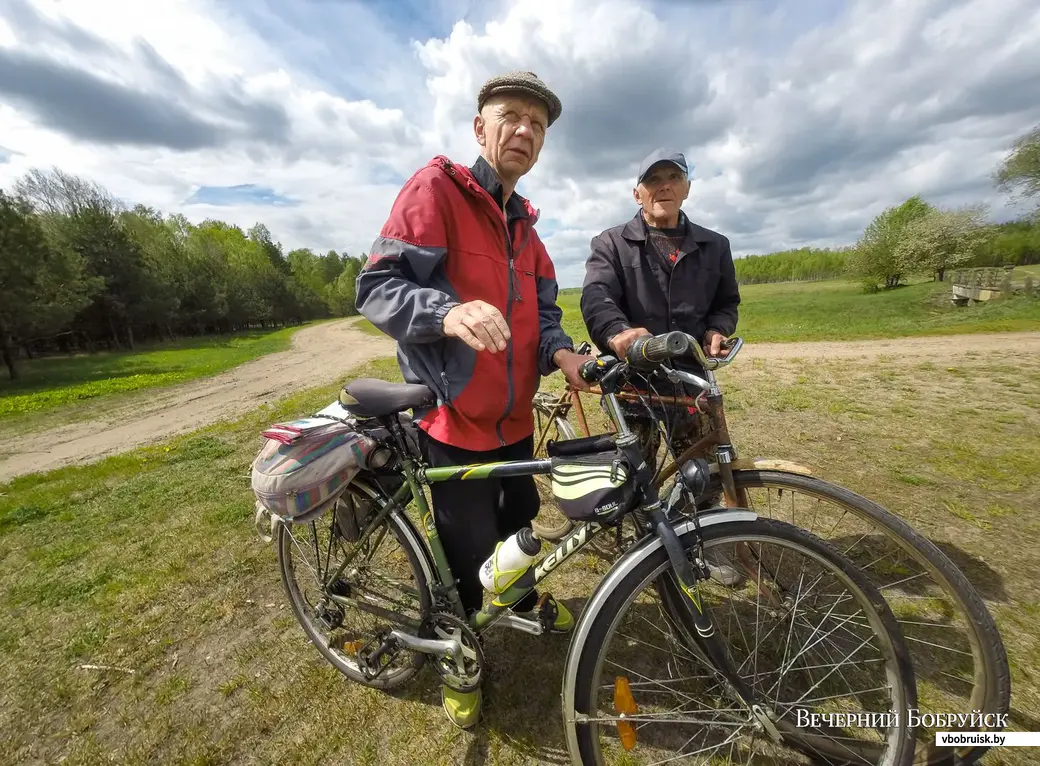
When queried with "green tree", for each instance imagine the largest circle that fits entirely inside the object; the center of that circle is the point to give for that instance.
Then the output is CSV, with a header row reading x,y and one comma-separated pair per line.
x,y
341,295
1020,170
874,261
940,240
41,288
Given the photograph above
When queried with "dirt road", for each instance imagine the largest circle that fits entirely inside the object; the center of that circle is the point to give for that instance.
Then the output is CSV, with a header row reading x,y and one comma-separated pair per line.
x,y
939,346
319,355
325,353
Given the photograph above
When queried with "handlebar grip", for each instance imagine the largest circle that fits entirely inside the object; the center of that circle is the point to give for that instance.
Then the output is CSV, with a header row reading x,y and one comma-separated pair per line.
x,y
591,370
658,348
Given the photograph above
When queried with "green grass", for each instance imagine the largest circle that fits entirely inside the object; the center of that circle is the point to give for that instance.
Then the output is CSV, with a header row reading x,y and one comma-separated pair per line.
x,y
53,382
148,562
840,310
368,328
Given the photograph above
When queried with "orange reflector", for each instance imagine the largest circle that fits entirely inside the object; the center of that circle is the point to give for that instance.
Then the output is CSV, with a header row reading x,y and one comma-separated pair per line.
x,y
625,704
352,647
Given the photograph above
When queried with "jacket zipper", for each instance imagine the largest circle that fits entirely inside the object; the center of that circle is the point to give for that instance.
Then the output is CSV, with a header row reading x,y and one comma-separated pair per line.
x,y
509,343
509,314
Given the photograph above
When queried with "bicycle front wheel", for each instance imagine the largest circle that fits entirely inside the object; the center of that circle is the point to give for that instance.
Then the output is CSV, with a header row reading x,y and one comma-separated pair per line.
x,y
959,659
806,629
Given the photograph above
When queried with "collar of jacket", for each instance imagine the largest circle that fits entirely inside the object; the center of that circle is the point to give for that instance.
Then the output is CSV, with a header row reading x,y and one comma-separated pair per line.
x,y
482,178
636,230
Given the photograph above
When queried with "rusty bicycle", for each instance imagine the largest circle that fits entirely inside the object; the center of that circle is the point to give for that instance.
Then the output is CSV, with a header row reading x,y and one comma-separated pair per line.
x,y
959,657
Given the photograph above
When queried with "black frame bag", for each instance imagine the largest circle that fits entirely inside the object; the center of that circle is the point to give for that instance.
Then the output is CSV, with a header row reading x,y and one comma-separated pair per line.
x,y
593,487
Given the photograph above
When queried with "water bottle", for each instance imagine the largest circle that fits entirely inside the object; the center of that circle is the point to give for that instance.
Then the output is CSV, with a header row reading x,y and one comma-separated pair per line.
x,y
510,560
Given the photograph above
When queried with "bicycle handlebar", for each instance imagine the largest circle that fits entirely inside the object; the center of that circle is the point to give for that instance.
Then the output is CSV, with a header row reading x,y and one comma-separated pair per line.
x,y
731,345
651,350
647,352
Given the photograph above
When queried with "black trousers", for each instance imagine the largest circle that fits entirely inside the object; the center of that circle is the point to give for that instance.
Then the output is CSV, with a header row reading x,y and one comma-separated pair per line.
x,y
473,515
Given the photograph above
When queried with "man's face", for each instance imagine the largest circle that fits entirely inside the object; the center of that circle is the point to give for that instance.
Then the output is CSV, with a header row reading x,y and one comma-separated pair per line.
x,y
663,191
512,130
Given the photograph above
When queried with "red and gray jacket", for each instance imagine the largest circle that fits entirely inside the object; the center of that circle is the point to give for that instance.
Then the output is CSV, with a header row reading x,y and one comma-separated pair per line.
x,y
447,241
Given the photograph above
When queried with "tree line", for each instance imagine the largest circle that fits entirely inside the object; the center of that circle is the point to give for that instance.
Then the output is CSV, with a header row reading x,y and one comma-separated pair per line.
x,y
81,271
918,238
911,239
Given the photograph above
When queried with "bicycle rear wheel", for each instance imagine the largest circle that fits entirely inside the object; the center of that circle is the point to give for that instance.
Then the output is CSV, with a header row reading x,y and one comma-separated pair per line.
x,y
797,653
959,658
386,585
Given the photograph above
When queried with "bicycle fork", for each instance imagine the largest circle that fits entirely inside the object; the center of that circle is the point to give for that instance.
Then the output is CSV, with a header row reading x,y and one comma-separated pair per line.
x,y
705,638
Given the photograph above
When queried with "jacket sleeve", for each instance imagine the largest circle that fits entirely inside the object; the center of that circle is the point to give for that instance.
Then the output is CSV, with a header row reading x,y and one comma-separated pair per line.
x,y
602,294
722,314
551,335
392,290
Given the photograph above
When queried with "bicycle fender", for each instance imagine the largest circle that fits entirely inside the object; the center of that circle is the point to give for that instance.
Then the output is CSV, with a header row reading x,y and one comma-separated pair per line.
x,y
624,565
769,464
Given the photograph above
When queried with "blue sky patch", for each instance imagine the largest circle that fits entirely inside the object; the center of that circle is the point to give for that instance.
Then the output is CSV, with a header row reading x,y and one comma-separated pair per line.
x,y
242,194
386,175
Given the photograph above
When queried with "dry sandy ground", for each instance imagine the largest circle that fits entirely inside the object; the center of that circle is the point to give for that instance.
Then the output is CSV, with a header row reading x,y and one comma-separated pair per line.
x,y
936,347
319,355
325,353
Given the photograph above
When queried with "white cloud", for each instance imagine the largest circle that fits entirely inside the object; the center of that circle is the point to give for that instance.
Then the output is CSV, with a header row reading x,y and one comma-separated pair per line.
x,y
802,122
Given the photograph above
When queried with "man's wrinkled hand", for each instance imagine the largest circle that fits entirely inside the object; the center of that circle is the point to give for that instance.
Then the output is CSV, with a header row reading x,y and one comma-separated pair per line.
x,y
479,325
570,364
619,343
713,342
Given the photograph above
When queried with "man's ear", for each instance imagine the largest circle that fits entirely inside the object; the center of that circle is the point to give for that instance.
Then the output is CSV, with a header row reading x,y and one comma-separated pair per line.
x,y
478,130
687,192
635,195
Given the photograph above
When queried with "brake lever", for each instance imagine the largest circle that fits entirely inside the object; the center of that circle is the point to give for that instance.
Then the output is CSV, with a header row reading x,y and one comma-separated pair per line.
x,y
732,345
678,376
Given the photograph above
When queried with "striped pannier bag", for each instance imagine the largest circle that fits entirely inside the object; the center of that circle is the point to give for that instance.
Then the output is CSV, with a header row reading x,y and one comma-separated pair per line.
x,y
305,464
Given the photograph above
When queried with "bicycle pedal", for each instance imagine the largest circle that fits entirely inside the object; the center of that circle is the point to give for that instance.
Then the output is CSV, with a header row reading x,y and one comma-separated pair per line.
x,y
547,612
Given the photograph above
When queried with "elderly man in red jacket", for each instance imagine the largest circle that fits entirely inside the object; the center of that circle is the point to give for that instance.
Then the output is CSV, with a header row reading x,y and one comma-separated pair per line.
x,y
459,277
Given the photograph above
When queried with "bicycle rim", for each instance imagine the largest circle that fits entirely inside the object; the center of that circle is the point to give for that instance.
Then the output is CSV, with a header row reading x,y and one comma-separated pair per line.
x,y
388,577
800,678
959,658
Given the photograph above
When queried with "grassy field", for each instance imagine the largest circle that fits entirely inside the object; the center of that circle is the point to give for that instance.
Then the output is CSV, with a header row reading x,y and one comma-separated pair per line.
x,y
53,383
147,564
840,310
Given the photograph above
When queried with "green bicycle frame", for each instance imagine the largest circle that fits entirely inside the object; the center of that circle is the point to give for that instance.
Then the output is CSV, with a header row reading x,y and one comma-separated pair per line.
x,y
524,583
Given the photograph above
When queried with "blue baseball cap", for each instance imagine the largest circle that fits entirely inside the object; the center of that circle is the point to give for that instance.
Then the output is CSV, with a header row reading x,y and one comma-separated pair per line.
x,y
673,156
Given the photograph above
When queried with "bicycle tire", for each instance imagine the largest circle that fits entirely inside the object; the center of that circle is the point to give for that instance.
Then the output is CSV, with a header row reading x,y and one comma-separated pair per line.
x,y
407,539
585,657
993,693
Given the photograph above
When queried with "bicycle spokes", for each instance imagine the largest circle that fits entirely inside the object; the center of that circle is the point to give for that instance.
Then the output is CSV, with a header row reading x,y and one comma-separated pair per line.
x,y
662,698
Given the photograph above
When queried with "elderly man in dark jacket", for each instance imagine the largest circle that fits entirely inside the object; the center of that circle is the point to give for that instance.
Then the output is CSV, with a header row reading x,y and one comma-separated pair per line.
x,y
657,273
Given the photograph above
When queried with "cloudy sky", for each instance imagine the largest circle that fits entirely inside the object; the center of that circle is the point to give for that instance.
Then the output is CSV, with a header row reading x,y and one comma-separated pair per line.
x,y
803,119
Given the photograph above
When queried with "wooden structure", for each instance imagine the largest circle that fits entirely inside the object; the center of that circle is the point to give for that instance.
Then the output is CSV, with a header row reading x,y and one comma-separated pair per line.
x,y
985,284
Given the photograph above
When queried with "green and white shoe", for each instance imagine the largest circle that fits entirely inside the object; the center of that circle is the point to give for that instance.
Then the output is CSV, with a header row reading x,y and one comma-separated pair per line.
x,y
564,620
462,708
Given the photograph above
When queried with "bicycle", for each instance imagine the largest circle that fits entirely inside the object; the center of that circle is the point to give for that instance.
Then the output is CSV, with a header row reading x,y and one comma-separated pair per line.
x,y
970,672
425,621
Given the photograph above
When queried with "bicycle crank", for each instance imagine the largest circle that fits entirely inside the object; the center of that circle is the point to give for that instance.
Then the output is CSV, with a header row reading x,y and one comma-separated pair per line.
x,y
459,657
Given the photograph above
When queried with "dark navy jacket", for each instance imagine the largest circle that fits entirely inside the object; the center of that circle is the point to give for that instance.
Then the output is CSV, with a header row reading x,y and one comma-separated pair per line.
x,y
627,285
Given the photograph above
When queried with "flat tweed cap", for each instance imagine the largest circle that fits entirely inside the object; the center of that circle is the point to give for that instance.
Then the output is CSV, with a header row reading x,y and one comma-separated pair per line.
x,y
521,82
